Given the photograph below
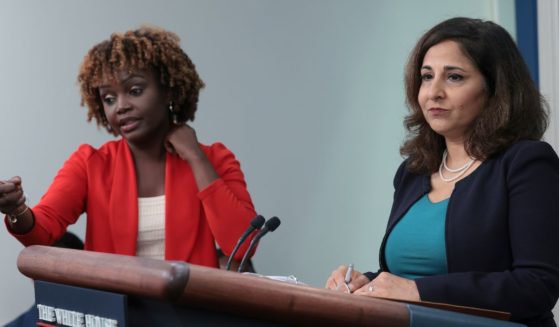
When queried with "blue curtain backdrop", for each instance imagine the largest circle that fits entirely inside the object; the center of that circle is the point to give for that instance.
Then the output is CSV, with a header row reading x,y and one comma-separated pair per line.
x,y
527,34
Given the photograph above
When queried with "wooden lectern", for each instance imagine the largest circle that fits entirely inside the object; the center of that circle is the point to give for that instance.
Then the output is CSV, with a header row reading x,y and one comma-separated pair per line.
x,y
98,289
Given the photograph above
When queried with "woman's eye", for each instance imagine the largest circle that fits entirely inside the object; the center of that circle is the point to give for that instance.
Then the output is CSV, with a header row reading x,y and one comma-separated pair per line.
x,y
136,91
426,77
455,77
109,99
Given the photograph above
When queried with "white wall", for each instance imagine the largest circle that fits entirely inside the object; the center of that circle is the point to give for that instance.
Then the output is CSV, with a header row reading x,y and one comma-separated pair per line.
x,y
308,94
548,43
548,46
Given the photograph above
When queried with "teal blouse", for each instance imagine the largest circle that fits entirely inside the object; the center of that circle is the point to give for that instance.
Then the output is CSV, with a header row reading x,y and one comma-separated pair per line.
x,y
416,246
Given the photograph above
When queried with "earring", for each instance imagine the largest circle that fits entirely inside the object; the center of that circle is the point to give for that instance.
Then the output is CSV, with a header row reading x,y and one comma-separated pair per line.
x,y
174,115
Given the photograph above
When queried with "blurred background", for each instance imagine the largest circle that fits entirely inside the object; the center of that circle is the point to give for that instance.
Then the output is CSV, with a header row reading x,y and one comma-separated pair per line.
x,y
307,93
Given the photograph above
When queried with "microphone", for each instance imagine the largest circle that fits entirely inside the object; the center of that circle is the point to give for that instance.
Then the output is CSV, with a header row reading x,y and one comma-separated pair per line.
x,y
256,223
270,226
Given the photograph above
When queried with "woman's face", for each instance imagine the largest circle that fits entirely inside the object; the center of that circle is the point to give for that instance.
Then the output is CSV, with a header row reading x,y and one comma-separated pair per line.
x,y
135,106
452,92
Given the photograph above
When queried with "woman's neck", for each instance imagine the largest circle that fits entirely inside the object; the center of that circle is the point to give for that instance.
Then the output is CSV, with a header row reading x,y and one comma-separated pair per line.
x,y
456,153
149,162
148,151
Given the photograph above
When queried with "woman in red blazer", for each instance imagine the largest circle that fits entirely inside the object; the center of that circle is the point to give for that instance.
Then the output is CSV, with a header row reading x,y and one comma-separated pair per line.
x,y
475,216
155,191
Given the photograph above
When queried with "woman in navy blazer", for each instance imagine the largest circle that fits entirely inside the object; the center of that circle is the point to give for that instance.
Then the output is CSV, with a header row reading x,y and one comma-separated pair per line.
x,y
474,130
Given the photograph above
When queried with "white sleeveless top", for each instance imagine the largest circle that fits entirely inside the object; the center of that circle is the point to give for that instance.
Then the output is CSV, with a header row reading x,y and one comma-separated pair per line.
x,y
151,227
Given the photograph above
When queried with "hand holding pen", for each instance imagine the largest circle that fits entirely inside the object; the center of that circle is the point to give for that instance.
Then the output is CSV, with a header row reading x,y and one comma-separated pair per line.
x,y
346,279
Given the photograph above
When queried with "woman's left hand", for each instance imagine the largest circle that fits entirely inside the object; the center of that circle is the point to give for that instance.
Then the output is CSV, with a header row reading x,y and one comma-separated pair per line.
x,y
182,141
387,285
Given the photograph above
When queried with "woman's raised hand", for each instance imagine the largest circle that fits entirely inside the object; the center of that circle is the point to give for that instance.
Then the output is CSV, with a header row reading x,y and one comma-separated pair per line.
x,y
11,195
182,141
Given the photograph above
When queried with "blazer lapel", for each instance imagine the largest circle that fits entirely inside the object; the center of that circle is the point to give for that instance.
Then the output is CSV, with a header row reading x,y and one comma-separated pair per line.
x,y
413,193
123,203
182,209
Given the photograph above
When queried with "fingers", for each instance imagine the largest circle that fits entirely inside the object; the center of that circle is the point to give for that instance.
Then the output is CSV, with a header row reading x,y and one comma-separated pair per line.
x,y
336,278
11,197
375,287
169,147
8,187
185,143
367,289
331,283
16,180
387,285
337,282
358,281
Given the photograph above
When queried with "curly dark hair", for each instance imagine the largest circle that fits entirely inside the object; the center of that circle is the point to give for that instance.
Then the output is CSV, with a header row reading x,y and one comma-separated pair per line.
x,y
146,48
515,110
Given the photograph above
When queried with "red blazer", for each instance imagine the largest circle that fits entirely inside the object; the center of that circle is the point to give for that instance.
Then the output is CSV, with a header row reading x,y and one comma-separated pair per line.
x,y
102,183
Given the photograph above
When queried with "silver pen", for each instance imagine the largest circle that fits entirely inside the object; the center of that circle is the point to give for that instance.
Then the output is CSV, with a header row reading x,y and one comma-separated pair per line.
x,y
348,274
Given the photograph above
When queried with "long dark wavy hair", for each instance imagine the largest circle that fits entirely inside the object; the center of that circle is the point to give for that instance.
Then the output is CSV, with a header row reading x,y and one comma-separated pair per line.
x,y
514,110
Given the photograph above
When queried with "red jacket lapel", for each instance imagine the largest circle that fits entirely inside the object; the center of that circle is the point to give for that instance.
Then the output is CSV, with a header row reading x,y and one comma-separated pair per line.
x,y
123,203
182,209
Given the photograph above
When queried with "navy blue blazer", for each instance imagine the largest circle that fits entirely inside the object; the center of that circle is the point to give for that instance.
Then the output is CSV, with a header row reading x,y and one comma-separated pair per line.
x,y
501,236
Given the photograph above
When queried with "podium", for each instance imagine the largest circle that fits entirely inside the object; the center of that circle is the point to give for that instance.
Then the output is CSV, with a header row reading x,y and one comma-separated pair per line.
x,y
83,288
